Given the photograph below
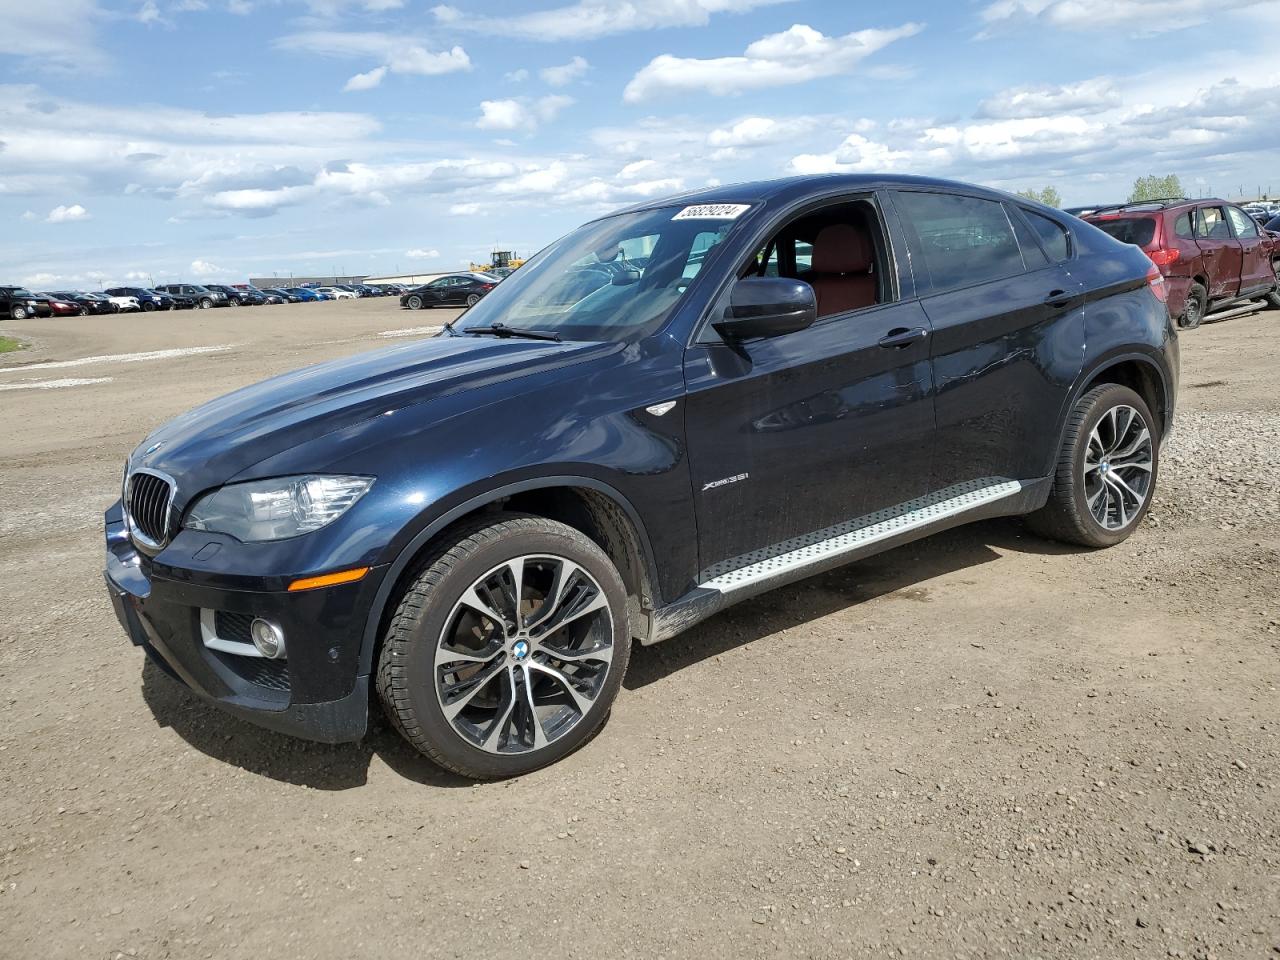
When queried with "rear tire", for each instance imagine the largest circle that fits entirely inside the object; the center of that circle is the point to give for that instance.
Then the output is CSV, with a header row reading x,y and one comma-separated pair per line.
x,y
457,621
1193,310
472,300
1273,298
1106,472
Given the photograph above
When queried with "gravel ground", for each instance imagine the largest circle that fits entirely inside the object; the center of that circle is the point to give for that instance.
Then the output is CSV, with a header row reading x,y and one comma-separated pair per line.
x,y
980,745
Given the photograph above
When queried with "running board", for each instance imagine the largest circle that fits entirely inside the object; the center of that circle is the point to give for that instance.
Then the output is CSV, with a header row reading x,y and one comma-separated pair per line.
x,y
751,573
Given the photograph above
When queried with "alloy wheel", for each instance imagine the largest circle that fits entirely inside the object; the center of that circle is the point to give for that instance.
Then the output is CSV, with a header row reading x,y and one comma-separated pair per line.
x,y
473,300
415,303
524,654
1117,467
18,313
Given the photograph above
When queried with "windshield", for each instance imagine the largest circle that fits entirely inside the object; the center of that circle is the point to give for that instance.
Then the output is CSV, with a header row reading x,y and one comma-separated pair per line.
x,y
614,279
22,292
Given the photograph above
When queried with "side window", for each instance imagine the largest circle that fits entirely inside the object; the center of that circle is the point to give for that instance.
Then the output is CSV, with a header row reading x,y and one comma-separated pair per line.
x,y
441,283
1182,227
1032,255
1053,236
1245,227
1211,223
965,240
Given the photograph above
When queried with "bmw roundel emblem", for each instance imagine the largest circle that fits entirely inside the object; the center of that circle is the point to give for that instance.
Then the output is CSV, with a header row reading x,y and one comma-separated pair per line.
x,y
520,649
152,449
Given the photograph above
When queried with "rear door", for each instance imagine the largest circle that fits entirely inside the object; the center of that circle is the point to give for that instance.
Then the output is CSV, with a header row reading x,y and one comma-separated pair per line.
x,y
1256,274
1008,333
1220,249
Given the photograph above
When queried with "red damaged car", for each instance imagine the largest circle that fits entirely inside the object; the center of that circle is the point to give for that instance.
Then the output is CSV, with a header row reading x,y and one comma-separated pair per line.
x,y
59,307
1211,253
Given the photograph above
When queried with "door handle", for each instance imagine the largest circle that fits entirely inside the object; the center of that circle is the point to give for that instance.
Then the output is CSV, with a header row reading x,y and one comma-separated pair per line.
x,y
903,336
1059,299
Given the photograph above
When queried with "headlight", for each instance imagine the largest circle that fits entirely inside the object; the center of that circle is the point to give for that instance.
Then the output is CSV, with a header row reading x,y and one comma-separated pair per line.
x,y
278,508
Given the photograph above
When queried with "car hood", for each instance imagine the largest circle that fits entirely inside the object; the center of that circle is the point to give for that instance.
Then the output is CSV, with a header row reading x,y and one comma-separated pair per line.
x,y
209,445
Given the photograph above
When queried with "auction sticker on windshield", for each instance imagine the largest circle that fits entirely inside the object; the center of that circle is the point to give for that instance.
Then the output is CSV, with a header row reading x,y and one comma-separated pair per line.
x,y
713,211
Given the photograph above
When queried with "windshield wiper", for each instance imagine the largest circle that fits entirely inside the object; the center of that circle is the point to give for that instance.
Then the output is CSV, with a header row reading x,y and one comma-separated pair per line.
x,y
502,330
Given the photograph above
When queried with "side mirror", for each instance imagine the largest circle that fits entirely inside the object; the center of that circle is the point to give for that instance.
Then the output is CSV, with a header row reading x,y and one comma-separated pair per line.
x,y
767,307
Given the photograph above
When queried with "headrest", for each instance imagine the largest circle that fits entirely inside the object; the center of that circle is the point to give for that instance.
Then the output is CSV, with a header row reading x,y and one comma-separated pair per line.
x,y
841,248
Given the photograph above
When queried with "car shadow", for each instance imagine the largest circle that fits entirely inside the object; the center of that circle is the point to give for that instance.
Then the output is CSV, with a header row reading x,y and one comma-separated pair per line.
x,y
902,569
346,766
321,766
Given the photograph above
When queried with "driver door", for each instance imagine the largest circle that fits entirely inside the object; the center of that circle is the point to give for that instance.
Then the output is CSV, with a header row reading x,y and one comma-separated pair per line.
x,y
794,434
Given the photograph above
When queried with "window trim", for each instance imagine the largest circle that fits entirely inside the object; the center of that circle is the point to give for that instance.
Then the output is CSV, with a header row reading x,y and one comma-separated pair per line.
x,y
705,334
924,277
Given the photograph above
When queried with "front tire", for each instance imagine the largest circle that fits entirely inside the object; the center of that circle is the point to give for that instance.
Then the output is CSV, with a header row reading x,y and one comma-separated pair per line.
x,y
205,303
508,648
415,303
1106,473
148,307
1273,298
1194,309
18,312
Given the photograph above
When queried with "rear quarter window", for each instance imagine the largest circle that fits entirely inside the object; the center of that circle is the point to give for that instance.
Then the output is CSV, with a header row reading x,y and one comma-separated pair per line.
x,y
1053,236
1136,230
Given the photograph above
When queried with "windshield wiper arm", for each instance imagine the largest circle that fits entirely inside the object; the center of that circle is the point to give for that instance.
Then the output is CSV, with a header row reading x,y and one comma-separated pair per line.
x,y
502,330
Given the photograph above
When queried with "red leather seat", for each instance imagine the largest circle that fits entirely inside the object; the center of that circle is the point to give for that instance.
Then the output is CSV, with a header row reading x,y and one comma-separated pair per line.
x,y
841,277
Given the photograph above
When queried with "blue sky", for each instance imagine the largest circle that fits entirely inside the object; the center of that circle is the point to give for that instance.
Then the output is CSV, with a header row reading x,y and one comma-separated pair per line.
x,y
218,139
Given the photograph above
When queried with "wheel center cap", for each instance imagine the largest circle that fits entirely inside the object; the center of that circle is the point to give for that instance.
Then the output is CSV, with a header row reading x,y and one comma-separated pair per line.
x,y
1104,466
520,649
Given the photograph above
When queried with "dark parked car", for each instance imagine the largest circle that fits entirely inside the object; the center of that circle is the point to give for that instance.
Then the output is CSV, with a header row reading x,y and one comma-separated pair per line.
x,y
1211,253
201,296
481,524
281,295
455,290
238,297
1273,225
148,300
89,303
19,303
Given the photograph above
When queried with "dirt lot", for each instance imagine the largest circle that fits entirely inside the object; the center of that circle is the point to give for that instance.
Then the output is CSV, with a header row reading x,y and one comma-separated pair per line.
x,y
979,745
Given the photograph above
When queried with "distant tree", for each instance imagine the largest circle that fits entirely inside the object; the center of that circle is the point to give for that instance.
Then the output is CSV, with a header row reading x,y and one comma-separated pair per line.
x,y
1048,196
1156,188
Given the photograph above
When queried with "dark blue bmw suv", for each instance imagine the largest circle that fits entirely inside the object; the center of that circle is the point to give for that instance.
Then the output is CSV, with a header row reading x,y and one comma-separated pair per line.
x,y
668,410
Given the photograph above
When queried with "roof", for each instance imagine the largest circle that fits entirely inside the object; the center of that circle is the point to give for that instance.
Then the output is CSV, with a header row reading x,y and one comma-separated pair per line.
x,y
787,189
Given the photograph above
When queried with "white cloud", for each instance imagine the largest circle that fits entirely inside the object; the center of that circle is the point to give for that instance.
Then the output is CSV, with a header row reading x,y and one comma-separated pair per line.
x,y
760,131
396,53
517,76
795,55
564,74
588,19
418,254
203,268
366,81
148,12
520,113
634,169
54,34
1087,96
29,215
1095,15
464,209
67,214
856,154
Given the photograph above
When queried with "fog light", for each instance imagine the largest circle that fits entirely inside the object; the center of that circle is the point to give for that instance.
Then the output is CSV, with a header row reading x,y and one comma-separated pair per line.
x,y
268,638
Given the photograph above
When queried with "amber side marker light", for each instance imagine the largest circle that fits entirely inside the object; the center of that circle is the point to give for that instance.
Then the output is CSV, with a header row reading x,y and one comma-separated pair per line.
x,y
328,579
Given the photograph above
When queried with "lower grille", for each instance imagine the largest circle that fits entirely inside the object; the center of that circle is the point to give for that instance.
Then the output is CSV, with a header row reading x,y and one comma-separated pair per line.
x,y
148,497
233,626
272,674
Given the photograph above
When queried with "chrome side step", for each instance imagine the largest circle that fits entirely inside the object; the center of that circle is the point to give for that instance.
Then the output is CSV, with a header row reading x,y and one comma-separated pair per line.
x,y
739,578
812,549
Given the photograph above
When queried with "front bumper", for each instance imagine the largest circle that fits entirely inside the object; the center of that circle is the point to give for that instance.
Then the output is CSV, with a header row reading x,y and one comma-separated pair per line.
x,y
317,693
